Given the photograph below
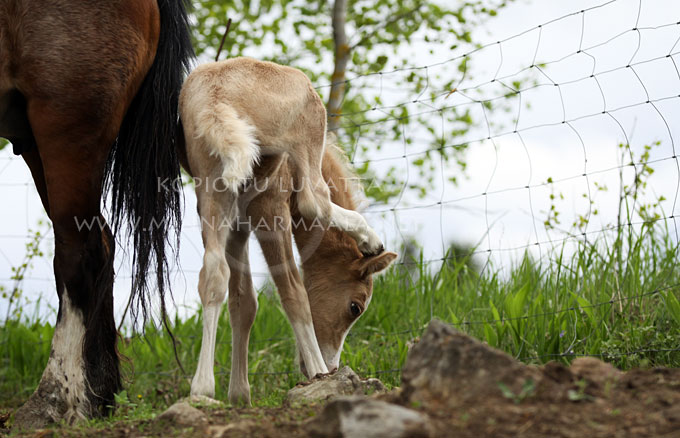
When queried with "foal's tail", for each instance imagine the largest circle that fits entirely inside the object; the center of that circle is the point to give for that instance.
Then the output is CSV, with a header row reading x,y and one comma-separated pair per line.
x,y
229,138
143,168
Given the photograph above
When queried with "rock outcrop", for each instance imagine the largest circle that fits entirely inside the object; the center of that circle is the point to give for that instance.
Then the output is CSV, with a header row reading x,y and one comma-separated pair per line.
x,y
344,382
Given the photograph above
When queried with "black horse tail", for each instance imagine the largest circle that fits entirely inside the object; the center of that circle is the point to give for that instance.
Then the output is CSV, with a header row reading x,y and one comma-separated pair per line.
x,y
143,170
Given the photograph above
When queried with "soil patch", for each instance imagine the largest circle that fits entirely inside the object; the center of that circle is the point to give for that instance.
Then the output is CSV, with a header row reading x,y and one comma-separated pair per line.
x,y
462,388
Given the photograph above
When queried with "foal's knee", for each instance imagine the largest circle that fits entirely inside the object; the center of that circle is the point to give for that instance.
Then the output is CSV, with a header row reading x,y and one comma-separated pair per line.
x,y
213,279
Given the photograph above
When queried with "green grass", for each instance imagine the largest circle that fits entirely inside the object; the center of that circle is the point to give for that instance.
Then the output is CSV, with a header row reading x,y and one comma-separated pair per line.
x,y
611,298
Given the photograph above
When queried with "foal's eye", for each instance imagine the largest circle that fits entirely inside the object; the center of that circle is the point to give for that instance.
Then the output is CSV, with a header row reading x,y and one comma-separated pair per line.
x,y
354,309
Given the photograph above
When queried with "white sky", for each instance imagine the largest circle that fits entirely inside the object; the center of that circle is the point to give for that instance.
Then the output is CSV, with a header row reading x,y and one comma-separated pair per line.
x,y
550,152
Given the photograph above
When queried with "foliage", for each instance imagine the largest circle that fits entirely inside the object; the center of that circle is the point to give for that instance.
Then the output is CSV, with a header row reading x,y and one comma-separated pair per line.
x,y
384,35
15,294
631,194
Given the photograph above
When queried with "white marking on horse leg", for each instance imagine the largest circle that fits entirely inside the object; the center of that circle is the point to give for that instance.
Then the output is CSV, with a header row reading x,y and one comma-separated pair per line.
x,y
203,382
356,226
212,287
309,348
65,369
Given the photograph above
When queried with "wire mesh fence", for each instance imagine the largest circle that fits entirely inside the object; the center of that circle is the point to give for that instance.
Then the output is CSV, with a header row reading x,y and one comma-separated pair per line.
x,y
568,105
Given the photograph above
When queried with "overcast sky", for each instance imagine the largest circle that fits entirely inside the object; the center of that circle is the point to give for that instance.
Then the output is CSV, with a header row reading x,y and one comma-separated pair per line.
x,y
510,215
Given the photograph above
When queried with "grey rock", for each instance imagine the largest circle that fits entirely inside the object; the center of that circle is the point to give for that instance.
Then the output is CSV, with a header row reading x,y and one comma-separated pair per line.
x,y
201,400
360,417
238,428
183,414
344,382
447,368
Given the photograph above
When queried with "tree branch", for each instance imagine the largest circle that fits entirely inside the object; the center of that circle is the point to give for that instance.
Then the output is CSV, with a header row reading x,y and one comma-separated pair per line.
x,y
342,55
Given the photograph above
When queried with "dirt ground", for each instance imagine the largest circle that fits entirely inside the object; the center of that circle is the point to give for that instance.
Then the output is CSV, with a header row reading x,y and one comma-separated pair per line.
x,y
640,403
461,388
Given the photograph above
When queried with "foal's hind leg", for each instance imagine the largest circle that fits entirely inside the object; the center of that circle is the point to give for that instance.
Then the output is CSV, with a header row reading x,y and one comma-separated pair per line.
x,y
217,209
315,204
319,207
242,310
314,200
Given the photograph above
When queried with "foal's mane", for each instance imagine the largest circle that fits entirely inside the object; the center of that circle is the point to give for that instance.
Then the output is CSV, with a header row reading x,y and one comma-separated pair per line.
x,y
343,181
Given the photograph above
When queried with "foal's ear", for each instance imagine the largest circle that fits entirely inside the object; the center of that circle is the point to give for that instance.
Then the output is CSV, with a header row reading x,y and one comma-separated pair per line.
x,y
373,264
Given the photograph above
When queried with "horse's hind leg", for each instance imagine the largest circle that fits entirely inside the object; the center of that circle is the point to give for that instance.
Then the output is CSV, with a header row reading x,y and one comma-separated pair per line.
x,y
242,310
355,225
82,373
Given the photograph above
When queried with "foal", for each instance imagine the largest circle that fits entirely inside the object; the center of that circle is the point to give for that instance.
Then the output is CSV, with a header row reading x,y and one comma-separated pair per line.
x,y
236,114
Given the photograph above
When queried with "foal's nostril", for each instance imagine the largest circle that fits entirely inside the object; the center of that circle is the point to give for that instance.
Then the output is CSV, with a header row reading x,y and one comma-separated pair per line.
x,y
335,369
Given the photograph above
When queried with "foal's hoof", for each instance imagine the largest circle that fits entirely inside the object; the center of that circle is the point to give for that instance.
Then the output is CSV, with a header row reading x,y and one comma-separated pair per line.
x,y
368,252
201,400
240,401
239,396
371,246
370,243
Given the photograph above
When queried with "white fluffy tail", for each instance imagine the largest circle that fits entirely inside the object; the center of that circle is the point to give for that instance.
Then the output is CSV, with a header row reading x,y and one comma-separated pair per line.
x,y
230,138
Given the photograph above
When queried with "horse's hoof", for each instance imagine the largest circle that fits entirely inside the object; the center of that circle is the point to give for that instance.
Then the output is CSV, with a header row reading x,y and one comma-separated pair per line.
x,y
371,245
31,416
46,406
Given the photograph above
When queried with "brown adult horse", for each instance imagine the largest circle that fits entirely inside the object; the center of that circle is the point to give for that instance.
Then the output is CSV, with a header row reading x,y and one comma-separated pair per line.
x,y
88,94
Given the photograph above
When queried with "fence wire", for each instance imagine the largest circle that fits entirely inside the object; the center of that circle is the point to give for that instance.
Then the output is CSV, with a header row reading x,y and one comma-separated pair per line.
x,y
465,94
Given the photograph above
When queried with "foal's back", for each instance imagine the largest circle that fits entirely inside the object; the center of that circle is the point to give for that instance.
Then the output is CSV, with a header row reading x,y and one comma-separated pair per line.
x,y
278,101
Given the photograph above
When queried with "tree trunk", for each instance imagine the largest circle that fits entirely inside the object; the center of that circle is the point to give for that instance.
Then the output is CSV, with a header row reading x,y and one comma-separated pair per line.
x,y
342,54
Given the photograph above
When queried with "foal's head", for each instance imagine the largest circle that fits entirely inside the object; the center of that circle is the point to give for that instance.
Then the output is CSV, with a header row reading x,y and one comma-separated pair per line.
x,y
339,287
337,277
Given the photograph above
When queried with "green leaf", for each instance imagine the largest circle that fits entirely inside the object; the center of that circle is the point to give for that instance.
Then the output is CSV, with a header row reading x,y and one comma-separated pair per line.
x,y
585,305
673,305
490,335
514,304
507,392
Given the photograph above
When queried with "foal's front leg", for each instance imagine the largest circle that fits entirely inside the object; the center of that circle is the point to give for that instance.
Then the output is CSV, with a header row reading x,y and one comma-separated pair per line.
x,y
277,248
